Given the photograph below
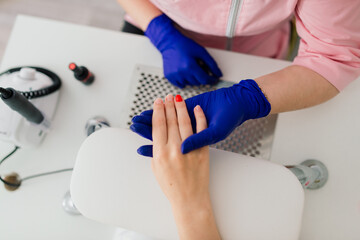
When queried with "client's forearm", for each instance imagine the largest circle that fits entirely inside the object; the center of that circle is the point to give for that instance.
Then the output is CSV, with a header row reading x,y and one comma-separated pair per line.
x,y
295,87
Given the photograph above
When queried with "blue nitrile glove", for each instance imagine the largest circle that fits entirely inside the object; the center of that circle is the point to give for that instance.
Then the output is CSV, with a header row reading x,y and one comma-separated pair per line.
x,y
185,62
225,109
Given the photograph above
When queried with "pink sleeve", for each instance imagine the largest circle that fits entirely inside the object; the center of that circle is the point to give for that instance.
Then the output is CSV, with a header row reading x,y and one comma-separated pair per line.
x,y
330,39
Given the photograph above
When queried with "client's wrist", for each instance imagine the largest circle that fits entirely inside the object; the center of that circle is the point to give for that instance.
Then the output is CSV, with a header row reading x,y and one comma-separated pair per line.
x,y
196,221
198,208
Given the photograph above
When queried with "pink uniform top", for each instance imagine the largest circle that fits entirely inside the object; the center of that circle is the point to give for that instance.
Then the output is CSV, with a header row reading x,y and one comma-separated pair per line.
x,y
329,30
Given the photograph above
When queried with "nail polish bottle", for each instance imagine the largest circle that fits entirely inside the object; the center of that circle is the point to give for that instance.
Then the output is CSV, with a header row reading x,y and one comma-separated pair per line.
x,y
82,74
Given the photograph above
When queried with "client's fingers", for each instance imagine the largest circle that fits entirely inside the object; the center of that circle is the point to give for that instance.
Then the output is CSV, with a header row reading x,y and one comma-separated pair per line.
x,y
159,130
171,119
184,122
201,123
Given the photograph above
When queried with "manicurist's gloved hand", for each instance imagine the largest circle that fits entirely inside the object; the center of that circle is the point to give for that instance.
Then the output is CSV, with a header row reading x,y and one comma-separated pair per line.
x,y
225,109
185,62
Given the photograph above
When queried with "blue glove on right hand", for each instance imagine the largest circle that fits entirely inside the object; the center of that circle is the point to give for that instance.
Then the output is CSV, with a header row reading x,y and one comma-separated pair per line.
x,y
185,62
225,109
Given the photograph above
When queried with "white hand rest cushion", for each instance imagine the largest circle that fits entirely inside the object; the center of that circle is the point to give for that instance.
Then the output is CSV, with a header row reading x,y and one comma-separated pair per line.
x,y
252,198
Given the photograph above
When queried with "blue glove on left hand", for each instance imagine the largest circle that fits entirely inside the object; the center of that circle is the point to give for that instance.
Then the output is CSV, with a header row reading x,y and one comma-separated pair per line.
x,y
185,62
225,109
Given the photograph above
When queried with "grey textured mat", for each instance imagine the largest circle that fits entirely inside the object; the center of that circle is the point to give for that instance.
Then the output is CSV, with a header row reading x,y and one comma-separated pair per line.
x,y
253,138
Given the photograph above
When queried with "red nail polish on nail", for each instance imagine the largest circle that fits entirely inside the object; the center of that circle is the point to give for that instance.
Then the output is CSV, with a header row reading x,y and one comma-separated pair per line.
x,y
178,98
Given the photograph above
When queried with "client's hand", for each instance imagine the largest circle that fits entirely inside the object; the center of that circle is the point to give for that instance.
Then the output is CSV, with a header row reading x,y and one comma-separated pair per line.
x,y
184,178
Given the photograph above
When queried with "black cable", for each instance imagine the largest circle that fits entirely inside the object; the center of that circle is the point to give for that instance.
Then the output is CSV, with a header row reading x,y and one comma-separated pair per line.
x,y
41,92
46,173
31,176
2,160
9,155
9,184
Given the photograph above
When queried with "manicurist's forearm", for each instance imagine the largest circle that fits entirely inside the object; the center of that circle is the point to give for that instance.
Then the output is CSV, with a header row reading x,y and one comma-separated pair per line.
x,y
196,221
142,11
295,87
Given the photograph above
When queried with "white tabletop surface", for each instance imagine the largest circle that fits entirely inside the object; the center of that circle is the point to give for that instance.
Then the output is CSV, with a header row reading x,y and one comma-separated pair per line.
x,y
330,213
330,133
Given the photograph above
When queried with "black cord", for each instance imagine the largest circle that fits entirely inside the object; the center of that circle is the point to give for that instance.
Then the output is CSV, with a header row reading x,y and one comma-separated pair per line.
x,y
41,92
9,155
10,184
46,173
31,176
2,160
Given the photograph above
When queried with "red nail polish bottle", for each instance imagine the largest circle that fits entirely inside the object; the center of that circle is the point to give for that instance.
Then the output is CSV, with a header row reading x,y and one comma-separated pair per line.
x,y
82,74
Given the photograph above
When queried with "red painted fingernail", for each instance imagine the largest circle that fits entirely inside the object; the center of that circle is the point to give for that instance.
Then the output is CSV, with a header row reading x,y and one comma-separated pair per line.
x,y
178,98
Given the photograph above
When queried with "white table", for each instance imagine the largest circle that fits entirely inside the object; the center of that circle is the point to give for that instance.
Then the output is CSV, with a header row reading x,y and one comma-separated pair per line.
x,y
36,206
330,133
